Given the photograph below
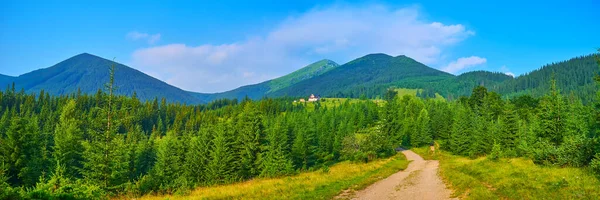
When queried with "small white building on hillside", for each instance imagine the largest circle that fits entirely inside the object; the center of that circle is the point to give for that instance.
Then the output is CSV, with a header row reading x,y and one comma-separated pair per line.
x,y
313,98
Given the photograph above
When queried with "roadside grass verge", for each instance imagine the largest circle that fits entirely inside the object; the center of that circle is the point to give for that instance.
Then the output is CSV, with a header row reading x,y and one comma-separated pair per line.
x,y
309,185
513,178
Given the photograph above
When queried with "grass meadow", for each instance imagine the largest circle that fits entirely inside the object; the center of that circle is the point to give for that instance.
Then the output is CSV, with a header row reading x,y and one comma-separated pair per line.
x,y
320,184
512,178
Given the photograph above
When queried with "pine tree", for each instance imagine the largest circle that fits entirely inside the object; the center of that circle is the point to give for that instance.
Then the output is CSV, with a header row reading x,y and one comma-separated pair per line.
x,y
422,134
303,148
275,161
462,130
139,153
250,141
13,152
482,135
67,141
552,116
168,166
33,149
597,113
197,157
509,128
476,101
105,155
219,169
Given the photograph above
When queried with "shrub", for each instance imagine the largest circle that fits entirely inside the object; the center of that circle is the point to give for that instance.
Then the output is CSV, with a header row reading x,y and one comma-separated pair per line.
x,y
575,151
595,164
496,152
544,153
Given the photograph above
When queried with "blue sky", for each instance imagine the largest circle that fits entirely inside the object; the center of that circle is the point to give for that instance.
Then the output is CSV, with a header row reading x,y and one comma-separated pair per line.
x,y
211,47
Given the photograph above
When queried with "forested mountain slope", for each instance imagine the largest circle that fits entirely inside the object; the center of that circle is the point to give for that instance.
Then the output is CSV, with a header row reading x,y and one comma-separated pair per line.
x,y
5,80
574,75
88,73
370,75
462,84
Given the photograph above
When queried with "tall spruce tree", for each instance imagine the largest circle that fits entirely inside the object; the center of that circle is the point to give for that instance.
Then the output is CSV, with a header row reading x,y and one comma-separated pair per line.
x,y
274,160
552,116
423,130
105,156
509,127
219,168
462,130
198,156
67,141
168,166
597,110
13,152
251,138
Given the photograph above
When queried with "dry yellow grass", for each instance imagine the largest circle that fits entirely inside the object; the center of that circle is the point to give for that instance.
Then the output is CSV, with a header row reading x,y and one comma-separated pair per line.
x,y
309,185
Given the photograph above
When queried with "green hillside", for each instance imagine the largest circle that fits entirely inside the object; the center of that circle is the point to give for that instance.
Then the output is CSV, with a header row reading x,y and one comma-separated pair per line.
x,y
260,90
304,73
463,84
88,73
370,75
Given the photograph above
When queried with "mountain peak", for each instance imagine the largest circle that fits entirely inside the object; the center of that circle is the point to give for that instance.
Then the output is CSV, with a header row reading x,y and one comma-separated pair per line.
x,y
377,55
86,55
87,73
326,61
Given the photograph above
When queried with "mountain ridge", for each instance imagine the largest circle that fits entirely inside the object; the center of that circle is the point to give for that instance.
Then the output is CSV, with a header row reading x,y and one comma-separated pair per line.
x,y
368,75
68,77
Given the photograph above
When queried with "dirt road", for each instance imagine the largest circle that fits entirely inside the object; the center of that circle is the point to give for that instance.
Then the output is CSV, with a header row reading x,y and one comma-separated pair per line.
x,y
418,181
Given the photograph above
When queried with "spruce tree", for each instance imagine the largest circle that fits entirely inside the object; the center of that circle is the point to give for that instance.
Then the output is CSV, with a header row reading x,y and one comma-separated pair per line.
x,y
552,116
251,137
597,112
105,156
168,166
462,130
275,161
219,168
509,127
13,152
423,130
67,141
198,156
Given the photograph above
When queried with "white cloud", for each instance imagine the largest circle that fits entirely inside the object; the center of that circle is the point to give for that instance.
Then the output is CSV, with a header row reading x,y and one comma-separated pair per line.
x,y
463,63
151,39
506,71
340,33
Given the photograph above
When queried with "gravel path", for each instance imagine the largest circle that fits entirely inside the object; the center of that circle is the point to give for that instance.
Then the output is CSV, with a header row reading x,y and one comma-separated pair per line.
x,y
418,181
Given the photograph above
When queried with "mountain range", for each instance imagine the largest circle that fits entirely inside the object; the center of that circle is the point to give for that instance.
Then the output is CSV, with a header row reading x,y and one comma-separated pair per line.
x,y
369,75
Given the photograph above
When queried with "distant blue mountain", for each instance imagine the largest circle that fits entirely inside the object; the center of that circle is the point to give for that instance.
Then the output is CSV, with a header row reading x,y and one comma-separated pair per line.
x,y
88,73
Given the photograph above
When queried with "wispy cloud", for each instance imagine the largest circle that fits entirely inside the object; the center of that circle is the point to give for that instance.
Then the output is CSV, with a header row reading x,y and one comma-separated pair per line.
x,y
337,32
150,38
506,71
463,63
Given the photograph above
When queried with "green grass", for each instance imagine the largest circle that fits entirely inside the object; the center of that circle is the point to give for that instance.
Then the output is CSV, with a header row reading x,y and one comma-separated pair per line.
x,y
426,153
304,73
514,178
309,185
413,92
336,102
